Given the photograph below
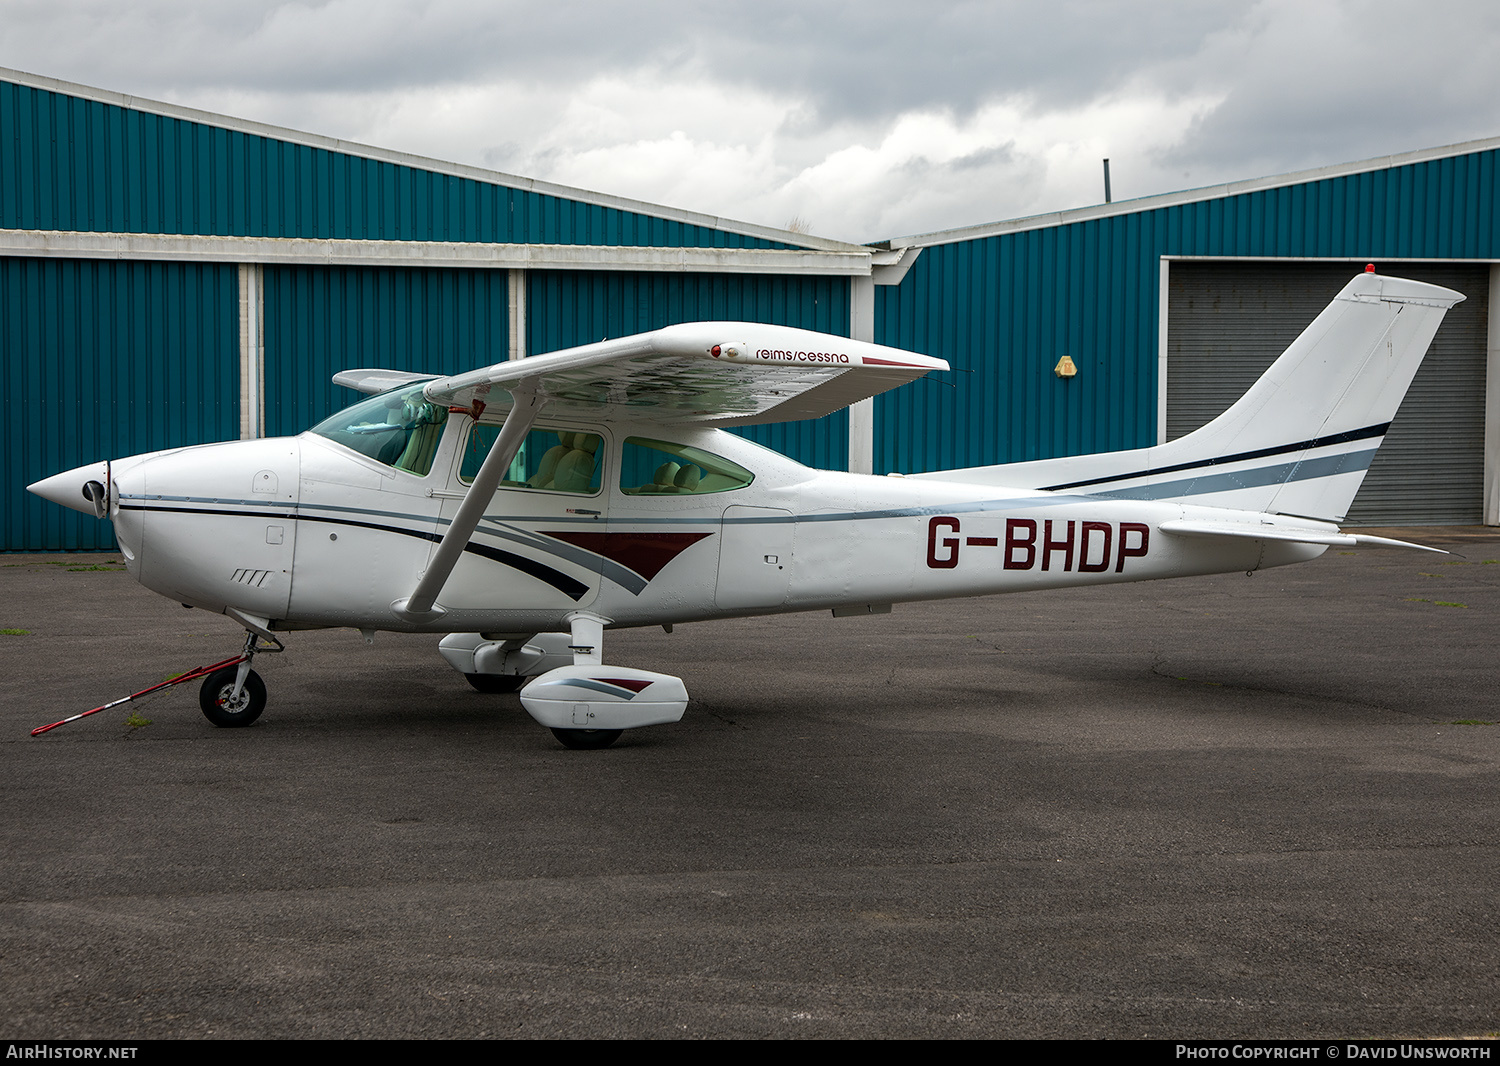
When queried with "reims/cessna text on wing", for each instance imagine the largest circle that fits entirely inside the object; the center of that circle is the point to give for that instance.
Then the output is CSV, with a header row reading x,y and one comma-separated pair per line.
x,y
527,507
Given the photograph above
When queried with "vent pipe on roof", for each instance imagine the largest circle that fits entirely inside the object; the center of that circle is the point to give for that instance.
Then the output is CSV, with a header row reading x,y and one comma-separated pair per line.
x,y
1106,181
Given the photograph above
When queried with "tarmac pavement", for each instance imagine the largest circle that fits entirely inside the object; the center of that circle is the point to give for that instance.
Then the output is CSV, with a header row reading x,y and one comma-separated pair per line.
x,y
1216,807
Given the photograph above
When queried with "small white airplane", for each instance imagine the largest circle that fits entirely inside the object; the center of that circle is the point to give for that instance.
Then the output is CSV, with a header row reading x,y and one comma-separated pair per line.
x,y
527,507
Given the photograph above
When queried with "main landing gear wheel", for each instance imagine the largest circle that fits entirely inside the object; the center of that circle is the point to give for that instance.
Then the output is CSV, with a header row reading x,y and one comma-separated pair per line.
x,y
587,739
213,697
497,682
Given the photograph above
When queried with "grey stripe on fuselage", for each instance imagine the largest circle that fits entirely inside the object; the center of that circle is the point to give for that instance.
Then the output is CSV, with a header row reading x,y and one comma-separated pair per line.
x,y
1279,474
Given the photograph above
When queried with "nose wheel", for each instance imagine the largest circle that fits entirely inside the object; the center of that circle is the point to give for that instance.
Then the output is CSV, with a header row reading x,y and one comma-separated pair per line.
x,y
223,706
235,695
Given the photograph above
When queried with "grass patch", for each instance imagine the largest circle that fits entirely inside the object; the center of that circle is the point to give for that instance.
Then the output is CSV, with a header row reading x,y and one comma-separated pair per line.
x,y
1471,721
95,566
16,632
1449,603
135,721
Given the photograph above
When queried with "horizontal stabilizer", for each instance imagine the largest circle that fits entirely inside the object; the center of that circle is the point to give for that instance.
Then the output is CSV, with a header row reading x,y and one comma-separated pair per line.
x,y
1246,531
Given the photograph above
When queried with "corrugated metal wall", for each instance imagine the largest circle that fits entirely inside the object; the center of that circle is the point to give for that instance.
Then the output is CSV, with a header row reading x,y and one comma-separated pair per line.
x,y
569,308
1001,309
320,320
118,358
72,164
105,359
1004,309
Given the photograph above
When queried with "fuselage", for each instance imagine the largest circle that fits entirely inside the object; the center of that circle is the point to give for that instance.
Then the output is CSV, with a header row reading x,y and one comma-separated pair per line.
x,y
306,531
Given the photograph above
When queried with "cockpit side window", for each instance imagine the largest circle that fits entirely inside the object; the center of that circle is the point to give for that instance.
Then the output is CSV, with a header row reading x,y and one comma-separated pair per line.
x,y
551,460
661,468
399,428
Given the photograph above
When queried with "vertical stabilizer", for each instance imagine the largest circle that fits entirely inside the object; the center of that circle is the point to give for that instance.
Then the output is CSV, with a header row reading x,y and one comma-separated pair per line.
x,y
1300,440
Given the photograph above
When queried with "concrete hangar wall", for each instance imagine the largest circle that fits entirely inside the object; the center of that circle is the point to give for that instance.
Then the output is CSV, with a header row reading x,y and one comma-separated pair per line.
x,y
169,276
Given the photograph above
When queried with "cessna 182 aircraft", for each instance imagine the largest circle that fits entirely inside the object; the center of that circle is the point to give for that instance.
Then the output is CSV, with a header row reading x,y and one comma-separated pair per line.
x,y
526,507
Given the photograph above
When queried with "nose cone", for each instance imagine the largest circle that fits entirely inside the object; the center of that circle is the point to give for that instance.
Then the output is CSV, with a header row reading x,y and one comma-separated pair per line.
x,y
74,488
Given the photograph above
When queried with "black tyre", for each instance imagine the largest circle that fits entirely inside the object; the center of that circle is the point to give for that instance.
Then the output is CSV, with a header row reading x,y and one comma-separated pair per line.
x,y
213,697
496,682
587,739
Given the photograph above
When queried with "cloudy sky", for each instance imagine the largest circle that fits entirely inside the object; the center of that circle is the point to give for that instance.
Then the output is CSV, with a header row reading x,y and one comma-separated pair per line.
x,y
853,120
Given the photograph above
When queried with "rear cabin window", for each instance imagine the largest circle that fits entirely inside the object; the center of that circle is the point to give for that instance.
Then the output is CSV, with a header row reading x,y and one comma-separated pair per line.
x,y
661,468
549,460
399,428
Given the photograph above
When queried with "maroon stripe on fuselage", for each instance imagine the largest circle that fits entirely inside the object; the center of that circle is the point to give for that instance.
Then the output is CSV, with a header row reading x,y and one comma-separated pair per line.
x,y
645,553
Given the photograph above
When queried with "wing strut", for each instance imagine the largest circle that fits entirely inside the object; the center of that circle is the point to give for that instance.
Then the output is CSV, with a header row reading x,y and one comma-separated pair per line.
x,y
420,605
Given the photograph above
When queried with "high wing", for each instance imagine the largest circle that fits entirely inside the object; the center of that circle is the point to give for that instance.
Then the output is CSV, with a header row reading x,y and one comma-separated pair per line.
x,y
372,380
705,373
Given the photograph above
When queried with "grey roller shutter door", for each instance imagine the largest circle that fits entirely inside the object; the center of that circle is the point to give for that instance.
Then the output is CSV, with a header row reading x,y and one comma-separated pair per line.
x,y
1228,321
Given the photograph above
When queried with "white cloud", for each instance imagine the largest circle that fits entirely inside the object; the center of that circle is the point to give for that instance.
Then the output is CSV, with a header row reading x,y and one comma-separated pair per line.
x,y
923,170
868,120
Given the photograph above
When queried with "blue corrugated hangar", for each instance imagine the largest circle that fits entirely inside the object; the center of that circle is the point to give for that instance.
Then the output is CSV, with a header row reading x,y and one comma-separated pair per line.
x,y
170,277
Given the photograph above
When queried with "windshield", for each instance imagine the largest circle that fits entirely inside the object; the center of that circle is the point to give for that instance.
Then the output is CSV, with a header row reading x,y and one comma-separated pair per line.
x,y
399,428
